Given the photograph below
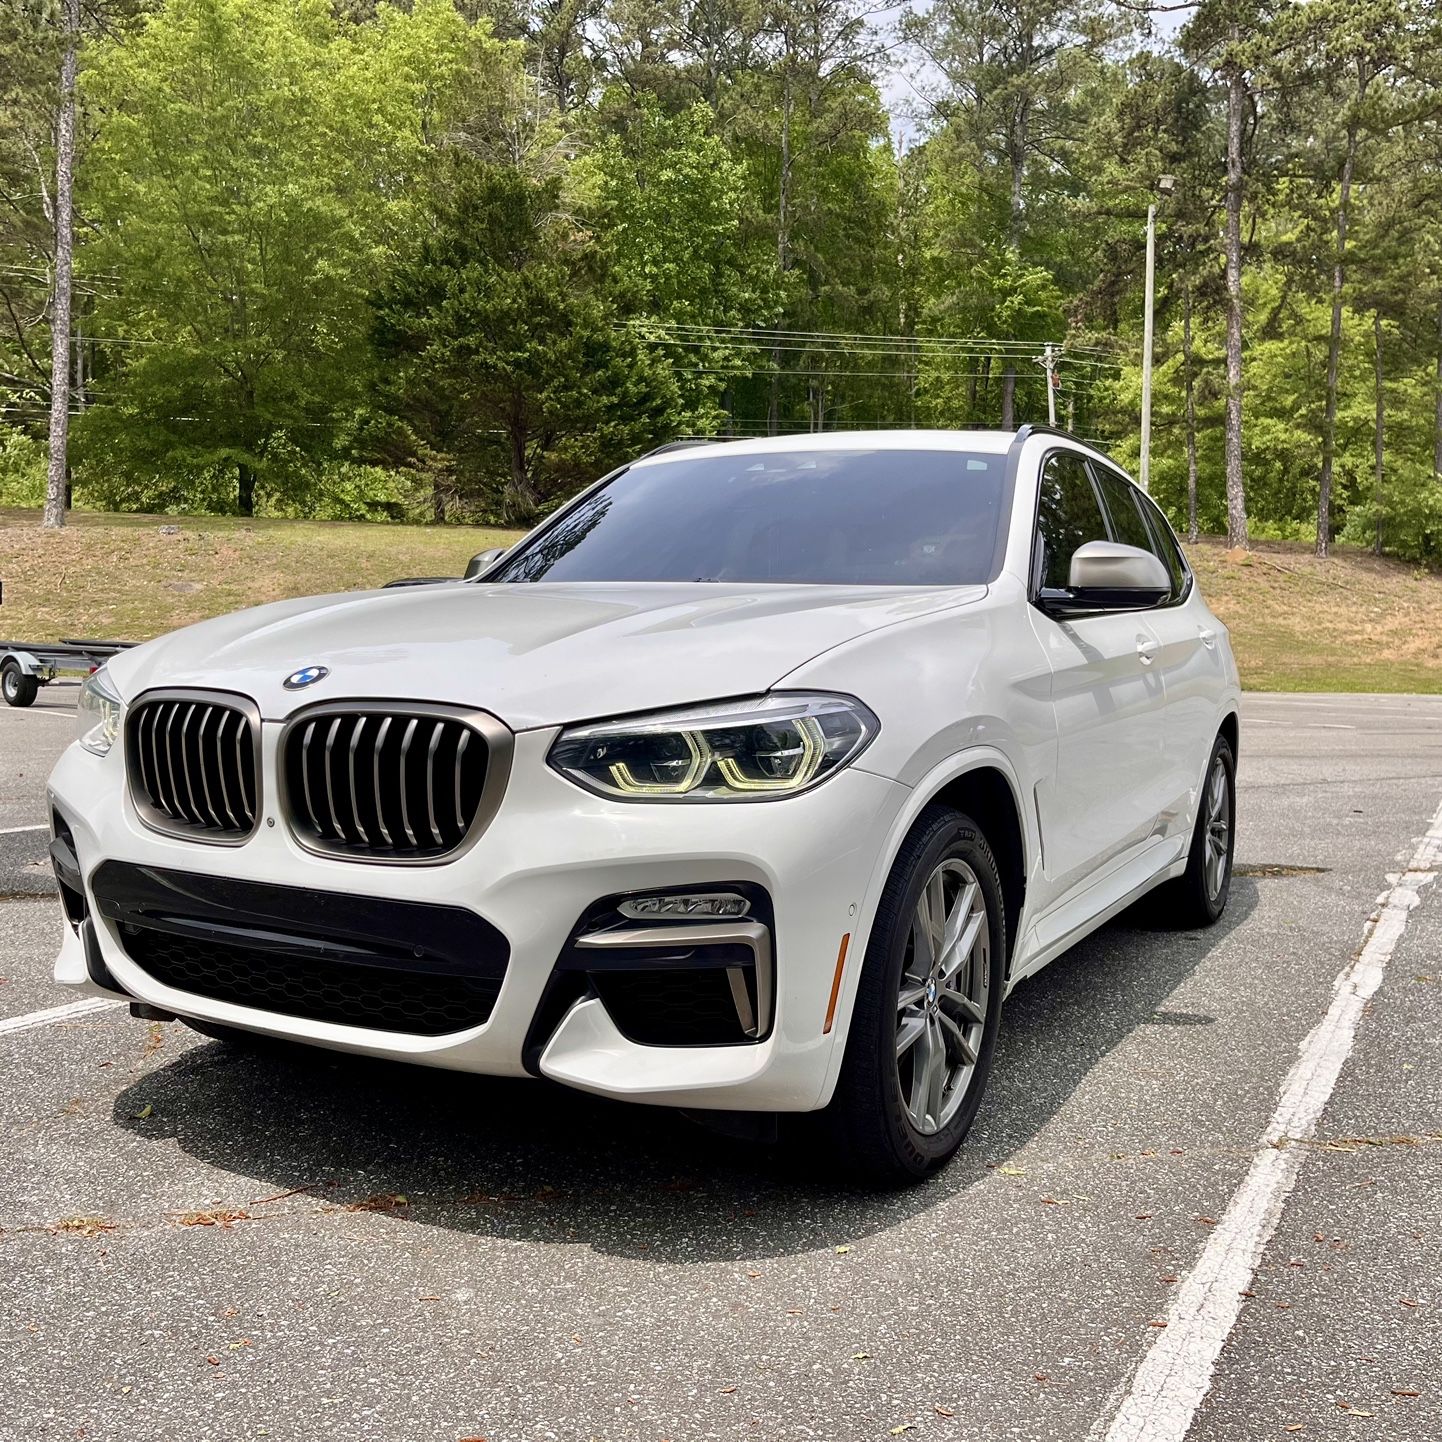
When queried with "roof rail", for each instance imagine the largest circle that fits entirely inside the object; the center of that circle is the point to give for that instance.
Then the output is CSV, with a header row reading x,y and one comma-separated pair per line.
x,y
686,445
1036,428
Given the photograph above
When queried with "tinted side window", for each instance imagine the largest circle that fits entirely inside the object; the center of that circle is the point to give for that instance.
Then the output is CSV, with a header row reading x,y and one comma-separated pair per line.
x,y
1129,526
1068,516
1171,552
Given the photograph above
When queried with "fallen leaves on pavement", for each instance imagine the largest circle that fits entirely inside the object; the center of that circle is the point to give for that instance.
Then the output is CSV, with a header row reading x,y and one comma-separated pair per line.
x,y
216,1217
83,1226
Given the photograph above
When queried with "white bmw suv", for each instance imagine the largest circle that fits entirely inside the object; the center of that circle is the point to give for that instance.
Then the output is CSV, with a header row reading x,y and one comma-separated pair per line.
x,y
750,782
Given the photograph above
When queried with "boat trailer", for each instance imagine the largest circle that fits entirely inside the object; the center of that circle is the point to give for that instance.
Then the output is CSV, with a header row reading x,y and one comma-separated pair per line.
x,y
26,666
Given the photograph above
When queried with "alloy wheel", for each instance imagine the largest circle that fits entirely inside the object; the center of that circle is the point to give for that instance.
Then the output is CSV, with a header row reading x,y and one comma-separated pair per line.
x,y
1218,827
941,1003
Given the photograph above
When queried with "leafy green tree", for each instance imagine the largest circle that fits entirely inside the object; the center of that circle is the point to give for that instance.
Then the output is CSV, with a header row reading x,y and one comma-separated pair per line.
x,y
1362,54
253,177
669,199
29,65
1010,79
503,348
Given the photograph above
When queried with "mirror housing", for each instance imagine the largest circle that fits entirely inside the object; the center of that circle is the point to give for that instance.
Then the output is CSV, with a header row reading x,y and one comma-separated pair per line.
x,y
1108,576
482,561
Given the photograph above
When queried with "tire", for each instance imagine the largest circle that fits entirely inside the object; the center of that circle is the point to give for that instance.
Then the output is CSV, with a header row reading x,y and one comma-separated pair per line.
x,y
873,1121
235,1036
1199,896
19,689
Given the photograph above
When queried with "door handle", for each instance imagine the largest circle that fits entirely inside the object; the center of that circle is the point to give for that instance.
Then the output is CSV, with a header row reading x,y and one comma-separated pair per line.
x,y
1147,649
1209,637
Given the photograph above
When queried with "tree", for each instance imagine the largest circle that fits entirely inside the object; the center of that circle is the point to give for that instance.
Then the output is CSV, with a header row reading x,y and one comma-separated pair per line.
x,y
669,201
39,57
503,338
1010,75
1361,48
254,175
1234,39
54,515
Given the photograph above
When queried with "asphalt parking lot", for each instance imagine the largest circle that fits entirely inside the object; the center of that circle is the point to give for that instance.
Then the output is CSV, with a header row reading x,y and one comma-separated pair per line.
x,y
199,1242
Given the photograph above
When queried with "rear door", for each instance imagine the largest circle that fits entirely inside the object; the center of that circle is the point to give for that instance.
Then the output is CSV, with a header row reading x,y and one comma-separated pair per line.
x,y
1189,661
1102,803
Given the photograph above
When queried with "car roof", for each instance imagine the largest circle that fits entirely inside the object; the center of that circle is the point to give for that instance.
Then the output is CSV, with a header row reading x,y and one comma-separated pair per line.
x,y
985,442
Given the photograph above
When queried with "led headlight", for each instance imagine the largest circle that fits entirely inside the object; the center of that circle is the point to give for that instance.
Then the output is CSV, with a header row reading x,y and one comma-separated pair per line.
x,y
97,713
749,750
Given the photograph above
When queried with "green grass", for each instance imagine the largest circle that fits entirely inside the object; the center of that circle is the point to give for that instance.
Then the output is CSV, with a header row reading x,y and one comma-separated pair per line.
x,y
1353,623
119,576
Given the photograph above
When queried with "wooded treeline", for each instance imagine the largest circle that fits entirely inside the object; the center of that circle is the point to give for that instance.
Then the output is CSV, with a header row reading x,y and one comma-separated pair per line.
x,y
454,258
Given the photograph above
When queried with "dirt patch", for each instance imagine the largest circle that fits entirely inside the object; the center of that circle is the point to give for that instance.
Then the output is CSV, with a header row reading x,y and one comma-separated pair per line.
x,y
1271,869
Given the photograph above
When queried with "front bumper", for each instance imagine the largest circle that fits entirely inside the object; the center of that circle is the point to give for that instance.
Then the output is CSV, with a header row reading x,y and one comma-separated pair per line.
x,y
550,853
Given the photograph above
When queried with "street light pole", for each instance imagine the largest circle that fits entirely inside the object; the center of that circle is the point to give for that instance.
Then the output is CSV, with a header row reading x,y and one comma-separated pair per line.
x,y
1165,185
1146,466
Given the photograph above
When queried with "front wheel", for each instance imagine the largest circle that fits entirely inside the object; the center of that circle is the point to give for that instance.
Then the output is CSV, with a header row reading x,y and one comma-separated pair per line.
x,y
919,1050
18,688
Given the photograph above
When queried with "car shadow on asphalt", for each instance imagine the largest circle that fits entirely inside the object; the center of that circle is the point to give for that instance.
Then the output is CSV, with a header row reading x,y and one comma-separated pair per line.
x,y
530,1161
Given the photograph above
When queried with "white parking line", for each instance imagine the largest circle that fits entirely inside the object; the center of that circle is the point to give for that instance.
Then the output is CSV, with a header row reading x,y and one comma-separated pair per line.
x,y
16,830
1174,1375
69,1012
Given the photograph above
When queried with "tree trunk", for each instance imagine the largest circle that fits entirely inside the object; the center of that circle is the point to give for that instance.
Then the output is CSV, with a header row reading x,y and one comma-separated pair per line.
x,y
245,489
1437,403
1189,383
783,240
438,501
1334,350
1236,489
521,497
1017,146
1379,436
55,482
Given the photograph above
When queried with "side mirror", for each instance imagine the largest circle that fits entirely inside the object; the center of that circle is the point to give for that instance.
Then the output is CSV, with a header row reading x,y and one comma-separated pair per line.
x,y
1108,576
482,561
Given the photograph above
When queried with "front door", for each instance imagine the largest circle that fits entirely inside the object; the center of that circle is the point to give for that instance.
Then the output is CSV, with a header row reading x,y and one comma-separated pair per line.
x,y
1104,800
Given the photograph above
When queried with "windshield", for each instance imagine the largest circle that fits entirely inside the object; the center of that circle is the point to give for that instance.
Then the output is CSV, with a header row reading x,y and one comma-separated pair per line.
x,y
824,517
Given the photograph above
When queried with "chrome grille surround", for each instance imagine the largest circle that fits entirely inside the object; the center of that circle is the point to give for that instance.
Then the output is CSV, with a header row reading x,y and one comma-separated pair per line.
x,y
192,760
391,782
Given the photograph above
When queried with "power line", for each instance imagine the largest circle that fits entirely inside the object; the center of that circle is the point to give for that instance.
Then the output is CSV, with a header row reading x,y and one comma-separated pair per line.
x,y
764,335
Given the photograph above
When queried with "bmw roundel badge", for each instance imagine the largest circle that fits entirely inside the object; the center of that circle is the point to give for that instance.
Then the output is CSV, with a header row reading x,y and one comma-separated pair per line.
x,y
306,676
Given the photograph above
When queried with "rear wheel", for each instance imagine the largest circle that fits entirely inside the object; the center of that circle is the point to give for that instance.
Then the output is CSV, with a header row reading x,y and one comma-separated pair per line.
x,y
18,688
1199,896
919,1050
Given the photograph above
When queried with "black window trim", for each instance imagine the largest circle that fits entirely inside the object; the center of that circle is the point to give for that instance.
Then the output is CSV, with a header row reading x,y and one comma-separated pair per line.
x,y
1034,587
1149,512
1157,518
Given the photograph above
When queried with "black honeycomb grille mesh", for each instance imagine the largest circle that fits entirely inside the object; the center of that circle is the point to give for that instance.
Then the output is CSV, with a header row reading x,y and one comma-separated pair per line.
x,y
315,988
681,1008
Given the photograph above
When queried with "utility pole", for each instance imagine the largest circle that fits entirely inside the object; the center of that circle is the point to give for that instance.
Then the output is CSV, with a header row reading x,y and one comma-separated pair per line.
x,y
1165,184
1048,364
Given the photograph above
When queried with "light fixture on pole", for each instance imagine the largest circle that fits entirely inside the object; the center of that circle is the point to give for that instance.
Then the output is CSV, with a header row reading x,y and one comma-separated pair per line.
x,y
1166,184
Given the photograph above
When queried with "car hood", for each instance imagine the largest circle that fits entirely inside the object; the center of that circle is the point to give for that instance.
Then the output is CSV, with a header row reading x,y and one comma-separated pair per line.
x,y
532,654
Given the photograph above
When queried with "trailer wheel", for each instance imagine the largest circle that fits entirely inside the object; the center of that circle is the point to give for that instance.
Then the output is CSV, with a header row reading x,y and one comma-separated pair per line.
x,y
19,689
